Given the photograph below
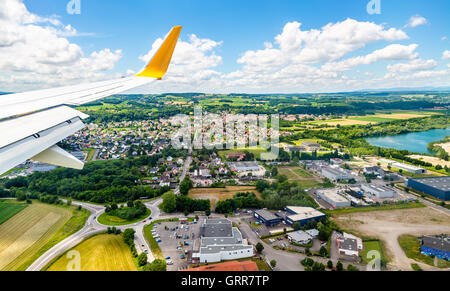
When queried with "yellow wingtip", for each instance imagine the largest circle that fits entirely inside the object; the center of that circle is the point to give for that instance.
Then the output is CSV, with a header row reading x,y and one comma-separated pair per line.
x,y
160,62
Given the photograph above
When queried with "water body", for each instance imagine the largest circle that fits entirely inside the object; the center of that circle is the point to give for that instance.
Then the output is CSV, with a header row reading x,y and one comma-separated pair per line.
x,y
414,142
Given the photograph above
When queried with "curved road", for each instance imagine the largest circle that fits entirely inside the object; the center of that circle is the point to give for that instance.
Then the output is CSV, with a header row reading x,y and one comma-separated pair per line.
x,y
92,227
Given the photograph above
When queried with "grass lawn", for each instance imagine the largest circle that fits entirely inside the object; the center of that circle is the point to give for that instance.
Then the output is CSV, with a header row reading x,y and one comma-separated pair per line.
x,y
373,245
372,119
26,233
104,252
303,178
106,219
374,208
9,209
411,246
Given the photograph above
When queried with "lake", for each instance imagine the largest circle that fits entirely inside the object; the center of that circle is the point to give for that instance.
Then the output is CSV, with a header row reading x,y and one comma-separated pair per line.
x,y
414,142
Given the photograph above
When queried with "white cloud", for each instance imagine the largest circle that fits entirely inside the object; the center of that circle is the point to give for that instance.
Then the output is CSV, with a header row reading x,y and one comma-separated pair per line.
x,y
391,52
417,20
446,55
191,67
34,52
330,43
414,65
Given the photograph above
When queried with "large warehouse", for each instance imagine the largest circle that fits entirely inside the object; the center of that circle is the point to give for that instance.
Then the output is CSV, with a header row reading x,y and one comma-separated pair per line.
x,y
220,241
438,187
333,198
302,215
378,191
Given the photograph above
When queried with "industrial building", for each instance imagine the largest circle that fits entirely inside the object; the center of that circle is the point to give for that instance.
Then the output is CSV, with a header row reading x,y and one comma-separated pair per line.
x,y
299,237
267,217
333,198
438,187
302,215
335,174
349,245
379,191
221,241
438,246
404,167
245,168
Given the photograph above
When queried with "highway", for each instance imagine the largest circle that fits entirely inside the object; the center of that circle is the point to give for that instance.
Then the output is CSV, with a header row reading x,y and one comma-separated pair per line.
x,y
92,227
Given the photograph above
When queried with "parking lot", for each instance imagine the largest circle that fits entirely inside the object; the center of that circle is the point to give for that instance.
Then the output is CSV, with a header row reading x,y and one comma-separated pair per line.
x,y
177,242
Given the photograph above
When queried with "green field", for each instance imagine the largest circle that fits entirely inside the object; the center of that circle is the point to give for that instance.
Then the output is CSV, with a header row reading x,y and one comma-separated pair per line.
x,y
104,252
411,246
372,119
373,245
9,209
106,219
302,177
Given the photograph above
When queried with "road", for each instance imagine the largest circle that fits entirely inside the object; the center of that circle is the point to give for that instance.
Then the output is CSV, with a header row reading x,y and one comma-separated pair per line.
x,y
286,261
92,227
186,166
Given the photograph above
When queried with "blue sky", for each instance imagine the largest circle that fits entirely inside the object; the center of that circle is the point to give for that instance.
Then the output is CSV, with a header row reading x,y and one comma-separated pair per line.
x,y
237,30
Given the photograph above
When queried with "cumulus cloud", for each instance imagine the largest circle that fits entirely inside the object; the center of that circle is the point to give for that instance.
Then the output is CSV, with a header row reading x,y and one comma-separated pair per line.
x,y
192,65
414,65
35,51
446,55
417,20
391,52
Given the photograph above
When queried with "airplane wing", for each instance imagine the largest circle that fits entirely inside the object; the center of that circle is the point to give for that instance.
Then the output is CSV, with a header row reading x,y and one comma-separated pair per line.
x,y
32,123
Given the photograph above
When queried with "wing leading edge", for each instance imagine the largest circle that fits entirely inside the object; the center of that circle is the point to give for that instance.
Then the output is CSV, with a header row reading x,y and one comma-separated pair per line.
x,y
32,123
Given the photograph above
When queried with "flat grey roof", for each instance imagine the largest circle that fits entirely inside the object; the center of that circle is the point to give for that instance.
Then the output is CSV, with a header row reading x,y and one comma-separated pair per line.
x,y
439,243
349,244
267,215
216,228
235,239
441,183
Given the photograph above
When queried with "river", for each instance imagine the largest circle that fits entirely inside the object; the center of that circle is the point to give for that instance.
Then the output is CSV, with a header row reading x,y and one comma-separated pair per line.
x,y
414,141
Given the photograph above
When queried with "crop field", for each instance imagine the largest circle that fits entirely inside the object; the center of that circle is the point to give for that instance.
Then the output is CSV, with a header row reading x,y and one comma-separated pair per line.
x,y
220,194
23,235
104,252
9,209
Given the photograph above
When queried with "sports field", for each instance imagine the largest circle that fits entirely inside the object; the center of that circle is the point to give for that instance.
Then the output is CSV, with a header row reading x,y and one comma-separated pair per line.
x,y
9,209
105,252
220,194
24,234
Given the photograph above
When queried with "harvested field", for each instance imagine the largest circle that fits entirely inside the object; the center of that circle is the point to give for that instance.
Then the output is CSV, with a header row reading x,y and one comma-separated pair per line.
x,y
432,160
27,232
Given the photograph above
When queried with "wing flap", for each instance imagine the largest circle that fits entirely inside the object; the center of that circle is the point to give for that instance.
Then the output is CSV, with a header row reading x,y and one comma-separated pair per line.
x,y
20,151
58,157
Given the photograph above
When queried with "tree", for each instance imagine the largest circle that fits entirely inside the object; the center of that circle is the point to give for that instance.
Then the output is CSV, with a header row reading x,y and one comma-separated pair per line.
x,y
323,251
186,185
142,259
330,265
259,247
273,263
339,266
169,204
296,225
352,268
156,266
